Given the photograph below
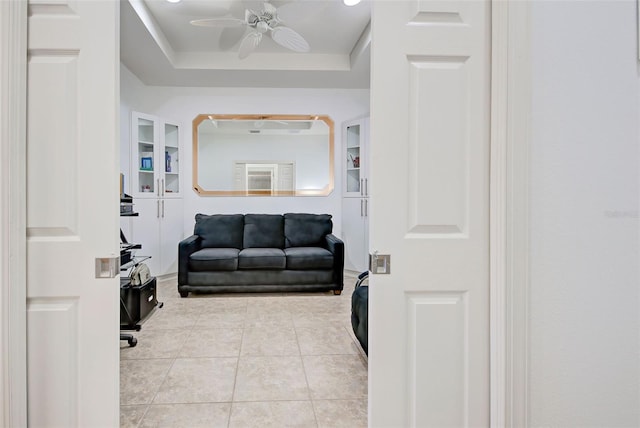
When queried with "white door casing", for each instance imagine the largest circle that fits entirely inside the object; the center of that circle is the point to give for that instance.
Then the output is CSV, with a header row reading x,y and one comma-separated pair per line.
x,y
72,213
13,364
429,154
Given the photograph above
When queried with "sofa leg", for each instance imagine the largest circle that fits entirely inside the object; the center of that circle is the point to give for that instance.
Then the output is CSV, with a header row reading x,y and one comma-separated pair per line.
x,y
183,293
337,292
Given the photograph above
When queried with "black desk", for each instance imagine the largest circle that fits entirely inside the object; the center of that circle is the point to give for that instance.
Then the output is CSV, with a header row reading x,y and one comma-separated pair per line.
x,y
136,303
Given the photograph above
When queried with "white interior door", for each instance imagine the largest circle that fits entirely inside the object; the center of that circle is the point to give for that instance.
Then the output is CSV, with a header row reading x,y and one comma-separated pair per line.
x,y
72,213
429,318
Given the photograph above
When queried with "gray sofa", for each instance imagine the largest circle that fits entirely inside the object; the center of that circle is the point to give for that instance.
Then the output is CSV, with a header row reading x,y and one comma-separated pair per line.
x,y
261,252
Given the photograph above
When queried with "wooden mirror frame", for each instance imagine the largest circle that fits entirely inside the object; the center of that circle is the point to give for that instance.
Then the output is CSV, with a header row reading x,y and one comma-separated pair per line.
x,y
325,191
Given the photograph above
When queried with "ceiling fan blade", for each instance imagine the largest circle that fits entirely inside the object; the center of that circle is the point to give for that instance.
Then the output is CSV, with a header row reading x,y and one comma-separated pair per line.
x,y
218,22
230,36
269,8
249,43
285,36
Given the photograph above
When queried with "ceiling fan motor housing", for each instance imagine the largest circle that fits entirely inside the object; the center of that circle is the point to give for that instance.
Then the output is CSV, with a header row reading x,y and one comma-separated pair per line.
x,y
263,21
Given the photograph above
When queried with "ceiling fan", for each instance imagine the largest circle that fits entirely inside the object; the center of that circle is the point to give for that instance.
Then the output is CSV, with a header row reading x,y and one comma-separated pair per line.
x,y
265,21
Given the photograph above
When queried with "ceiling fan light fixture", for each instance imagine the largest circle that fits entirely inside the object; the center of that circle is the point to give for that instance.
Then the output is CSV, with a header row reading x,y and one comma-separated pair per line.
x,y
350,2
263,22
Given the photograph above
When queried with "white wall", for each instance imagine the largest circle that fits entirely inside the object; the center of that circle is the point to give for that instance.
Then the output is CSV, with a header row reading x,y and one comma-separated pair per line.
x,y
182,105
584,300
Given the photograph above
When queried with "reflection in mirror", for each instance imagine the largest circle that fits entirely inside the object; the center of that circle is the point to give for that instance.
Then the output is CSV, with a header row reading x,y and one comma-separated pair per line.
x,y
257,155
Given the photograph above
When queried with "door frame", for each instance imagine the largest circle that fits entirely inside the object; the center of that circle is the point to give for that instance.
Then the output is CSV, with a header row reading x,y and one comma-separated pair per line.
x,y
510,136
509,212
13,160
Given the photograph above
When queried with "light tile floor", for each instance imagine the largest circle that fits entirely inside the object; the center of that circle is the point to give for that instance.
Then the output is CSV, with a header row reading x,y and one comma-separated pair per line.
x,y
245,360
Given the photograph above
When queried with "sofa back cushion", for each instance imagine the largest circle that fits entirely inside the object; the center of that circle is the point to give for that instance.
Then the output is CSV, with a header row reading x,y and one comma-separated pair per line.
x,y
220,230
263,231
306,230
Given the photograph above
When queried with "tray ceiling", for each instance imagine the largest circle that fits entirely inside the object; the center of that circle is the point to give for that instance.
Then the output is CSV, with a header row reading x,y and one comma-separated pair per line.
x,y
161,47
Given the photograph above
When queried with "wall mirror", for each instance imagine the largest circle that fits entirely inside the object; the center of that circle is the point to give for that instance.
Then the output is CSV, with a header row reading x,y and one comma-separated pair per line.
x,y
258,155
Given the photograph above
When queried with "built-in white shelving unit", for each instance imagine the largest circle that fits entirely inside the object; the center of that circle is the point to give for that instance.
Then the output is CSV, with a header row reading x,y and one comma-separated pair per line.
x,y
157,190
355,201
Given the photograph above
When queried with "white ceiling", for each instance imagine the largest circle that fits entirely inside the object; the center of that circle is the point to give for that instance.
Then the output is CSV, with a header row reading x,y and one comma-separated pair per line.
x,y
160,46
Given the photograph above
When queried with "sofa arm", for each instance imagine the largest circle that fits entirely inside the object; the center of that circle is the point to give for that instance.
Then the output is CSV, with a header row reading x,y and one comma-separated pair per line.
x,y
336,246
186,247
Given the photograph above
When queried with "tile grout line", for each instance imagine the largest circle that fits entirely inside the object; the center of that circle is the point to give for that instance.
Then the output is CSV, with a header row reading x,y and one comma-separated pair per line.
x,y
175,358
235,377
306,379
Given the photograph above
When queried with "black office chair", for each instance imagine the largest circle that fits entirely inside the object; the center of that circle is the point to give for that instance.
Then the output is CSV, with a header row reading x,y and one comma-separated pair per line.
x,y
129,338
360,310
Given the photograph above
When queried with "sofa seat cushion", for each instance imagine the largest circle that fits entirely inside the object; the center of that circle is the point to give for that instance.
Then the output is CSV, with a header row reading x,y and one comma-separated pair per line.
x,y
209,259
303,258
262,258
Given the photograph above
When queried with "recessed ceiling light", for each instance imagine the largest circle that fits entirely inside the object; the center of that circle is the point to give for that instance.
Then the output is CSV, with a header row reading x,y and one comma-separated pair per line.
x,y
351,2
173,1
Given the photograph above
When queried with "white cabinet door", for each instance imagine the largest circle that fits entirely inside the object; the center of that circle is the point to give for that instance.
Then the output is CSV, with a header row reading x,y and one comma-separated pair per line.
x,y
171,233
159,229
145,144
355,233
155,157
355,135
145,230
430,129
355,192
169,158
71,214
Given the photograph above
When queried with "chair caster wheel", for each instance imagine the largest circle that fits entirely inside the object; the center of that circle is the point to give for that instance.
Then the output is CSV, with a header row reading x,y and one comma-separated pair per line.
x,y
132,341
